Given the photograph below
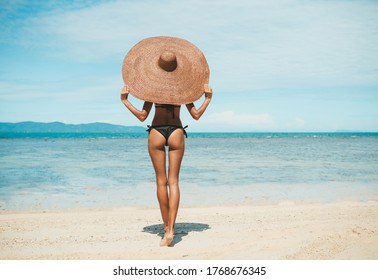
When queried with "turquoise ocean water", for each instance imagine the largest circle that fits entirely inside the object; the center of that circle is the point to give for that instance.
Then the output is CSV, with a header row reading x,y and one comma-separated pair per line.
x,y
39,171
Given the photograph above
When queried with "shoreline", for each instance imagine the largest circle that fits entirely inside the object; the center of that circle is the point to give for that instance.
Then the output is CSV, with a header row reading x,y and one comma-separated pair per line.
x,y
192,195
277,231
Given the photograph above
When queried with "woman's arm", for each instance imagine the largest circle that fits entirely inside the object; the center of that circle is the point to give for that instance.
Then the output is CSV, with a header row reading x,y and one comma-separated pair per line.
x,y
141,115
197,113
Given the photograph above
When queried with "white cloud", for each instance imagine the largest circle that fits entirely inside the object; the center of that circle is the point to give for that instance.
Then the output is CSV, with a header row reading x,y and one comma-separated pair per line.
x,y
91,99
255,40
233,121
304,44
296,124
248,44
112,28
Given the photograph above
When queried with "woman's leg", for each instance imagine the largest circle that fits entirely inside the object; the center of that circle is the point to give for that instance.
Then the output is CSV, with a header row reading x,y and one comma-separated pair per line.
x,y
156,149
176,145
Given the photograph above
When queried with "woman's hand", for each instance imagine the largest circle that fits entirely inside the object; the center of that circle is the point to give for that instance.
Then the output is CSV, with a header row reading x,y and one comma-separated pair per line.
x,y
141,115
208,91
125,92
197,113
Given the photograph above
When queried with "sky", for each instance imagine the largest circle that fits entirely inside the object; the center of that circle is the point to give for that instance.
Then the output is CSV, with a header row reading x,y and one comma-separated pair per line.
x,y
274,65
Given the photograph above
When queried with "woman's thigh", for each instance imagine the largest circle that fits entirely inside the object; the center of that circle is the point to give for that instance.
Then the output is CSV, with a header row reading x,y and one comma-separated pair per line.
x,y
156,149
176,143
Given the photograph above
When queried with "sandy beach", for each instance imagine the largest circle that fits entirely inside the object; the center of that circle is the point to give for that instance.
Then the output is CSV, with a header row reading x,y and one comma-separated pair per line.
x,y
287,230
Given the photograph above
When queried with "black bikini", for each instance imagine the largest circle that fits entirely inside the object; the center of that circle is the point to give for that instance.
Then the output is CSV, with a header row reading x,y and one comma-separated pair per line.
x,y
167,120
166,130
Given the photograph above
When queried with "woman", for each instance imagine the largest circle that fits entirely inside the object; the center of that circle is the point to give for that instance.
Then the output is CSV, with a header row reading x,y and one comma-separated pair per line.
x,y
167,130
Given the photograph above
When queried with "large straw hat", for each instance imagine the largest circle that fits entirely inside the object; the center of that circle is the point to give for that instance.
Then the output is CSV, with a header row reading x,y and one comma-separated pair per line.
x,y
165,70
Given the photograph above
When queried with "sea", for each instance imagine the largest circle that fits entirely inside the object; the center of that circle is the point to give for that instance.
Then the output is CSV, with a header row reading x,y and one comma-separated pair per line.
x,y
41,171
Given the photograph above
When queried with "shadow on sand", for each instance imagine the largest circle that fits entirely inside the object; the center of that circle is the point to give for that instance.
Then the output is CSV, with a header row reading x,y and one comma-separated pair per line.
x,y
181,230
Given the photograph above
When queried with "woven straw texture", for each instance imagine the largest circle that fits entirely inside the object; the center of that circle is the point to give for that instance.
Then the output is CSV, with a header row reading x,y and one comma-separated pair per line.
x,y
150,82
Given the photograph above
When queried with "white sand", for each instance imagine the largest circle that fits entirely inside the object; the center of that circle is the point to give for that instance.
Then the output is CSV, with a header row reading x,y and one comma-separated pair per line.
x,y
345,230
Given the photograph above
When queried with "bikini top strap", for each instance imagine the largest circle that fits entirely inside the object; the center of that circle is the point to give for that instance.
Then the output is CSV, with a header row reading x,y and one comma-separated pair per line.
x,y
166,106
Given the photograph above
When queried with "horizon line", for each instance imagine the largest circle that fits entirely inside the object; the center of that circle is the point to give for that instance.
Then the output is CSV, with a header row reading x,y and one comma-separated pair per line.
x,y
259,131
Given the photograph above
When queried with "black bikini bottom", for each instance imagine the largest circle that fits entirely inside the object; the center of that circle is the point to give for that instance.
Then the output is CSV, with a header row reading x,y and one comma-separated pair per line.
x,y
166,130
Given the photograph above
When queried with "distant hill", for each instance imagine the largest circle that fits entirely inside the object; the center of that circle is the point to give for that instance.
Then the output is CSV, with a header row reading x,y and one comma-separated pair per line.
x,y
59,127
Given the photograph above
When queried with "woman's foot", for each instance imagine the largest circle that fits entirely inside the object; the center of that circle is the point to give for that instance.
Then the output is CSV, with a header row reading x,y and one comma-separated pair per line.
x,y
167,240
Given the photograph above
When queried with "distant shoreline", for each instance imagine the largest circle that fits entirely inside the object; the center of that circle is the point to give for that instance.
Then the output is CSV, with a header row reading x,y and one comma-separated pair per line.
x,y
30,129
59,127
144,134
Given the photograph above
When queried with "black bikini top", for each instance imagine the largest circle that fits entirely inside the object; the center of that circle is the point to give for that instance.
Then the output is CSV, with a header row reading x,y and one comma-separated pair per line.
x,y
167,106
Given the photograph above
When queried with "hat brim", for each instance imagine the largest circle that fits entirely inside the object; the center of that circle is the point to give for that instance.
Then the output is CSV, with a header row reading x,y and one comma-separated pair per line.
x,y
147,81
